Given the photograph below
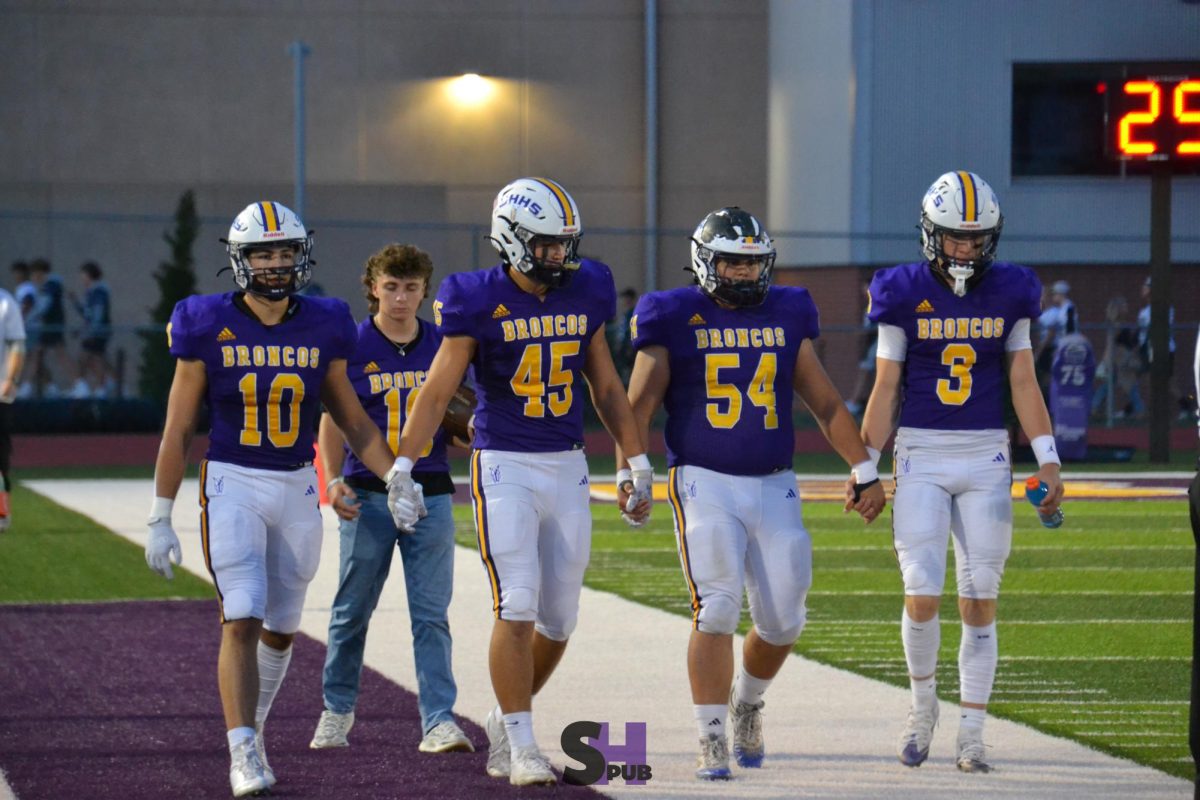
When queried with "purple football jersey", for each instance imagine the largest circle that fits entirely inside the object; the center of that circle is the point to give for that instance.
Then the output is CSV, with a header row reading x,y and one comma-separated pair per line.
x,y
729,401
955,375
264,382
529,353
386,383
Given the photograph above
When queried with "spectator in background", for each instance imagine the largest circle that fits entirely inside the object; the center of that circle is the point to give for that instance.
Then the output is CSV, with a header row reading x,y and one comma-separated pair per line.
x,y
620,340
95,372
12,342
1146,350
25,293
869,334
1057,320
1118,370
49,319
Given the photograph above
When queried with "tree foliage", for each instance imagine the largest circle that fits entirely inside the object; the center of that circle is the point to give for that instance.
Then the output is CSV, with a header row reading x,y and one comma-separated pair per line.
x,y
176,279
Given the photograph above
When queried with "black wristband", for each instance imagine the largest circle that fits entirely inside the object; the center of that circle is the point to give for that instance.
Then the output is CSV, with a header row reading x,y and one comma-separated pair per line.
x,y
860,487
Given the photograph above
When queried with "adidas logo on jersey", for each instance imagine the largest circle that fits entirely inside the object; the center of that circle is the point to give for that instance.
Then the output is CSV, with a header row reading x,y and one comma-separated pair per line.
x,y
924,307
696,320
369,368
225,335
500,312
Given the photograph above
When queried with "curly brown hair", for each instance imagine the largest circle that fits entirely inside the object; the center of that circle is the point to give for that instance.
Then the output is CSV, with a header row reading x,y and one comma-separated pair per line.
x,y
396,261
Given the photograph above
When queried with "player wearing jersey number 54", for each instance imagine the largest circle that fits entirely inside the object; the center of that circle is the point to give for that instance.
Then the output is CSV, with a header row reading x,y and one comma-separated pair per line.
x,y
387,368
724,359
528,326
264,359
953,328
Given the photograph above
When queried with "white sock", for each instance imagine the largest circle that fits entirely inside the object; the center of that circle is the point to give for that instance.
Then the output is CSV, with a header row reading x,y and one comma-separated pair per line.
x,y
272,666
236,736
971,719
519,726
921,643
977,656
749,689
711,719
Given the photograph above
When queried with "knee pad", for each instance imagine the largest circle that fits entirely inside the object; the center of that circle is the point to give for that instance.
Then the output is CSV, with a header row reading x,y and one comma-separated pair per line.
x,y
980,582
518,604
239,604
719,614
917,580
784,637
557,631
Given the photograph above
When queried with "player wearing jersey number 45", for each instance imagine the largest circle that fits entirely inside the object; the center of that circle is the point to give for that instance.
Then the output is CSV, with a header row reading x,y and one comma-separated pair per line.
x,y
953,329
528,327
264,359
724,359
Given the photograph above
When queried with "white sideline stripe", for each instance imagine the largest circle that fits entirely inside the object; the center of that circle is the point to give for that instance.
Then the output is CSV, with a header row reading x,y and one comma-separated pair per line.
x,y
1021,592
830,733
1003,621
6,792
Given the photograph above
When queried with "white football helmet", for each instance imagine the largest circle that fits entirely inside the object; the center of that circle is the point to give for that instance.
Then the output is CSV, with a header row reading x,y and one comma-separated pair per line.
x,y
960,204
531,208
269,224
732,232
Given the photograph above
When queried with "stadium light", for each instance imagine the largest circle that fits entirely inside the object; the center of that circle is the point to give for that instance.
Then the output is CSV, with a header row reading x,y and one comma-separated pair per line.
x,y
471,90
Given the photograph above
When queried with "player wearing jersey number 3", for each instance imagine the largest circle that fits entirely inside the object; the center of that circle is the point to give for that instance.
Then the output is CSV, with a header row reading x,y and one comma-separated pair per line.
x,y
952,329
724,359
264,359
528,326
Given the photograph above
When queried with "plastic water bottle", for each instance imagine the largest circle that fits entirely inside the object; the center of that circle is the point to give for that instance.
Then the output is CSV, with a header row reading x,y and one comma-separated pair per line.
x,y
1035,492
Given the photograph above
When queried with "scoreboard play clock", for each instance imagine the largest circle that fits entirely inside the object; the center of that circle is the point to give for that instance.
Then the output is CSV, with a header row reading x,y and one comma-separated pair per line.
x,y
1106,118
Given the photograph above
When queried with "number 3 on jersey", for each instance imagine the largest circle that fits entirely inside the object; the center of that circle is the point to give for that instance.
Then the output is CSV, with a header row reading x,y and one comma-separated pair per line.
x,y
528,382
959,358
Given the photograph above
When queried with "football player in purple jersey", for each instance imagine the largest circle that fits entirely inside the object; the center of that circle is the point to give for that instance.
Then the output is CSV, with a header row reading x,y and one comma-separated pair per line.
x,y
395,348
264,359
529,326
724,358
953,329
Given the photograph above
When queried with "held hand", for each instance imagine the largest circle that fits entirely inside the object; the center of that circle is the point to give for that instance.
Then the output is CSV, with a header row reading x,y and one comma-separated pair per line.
x,y
635,495
1049,474
162,548
869,500
344,501
406,499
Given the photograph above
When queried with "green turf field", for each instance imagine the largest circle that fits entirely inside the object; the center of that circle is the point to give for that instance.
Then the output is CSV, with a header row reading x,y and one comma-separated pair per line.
x,y
1094,620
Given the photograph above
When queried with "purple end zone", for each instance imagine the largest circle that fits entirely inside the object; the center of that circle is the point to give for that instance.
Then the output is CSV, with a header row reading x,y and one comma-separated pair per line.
x,y
119,700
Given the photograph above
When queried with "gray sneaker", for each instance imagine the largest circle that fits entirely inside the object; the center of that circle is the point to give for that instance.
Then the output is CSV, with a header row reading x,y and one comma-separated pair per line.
x,y
446,737
246,776
714,759
970,756
748,748
499,763
913,748
332,729
530,768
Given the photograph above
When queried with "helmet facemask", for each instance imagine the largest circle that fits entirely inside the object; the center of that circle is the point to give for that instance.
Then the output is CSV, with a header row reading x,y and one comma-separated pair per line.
x,y
552,274
734,292
732,235
960,274
268,226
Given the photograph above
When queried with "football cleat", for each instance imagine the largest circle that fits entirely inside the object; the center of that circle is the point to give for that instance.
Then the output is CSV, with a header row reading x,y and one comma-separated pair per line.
x,y
970,755
446,737
246,775
332,729
530,768
748,747
499,763
918,734
261,747
713,764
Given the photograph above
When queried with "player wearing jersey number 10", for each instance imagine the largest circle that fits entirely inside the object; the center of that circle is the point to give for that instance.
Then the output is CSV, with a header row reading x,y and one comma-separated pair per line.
x,y
953,329
264,359
528,326
724,359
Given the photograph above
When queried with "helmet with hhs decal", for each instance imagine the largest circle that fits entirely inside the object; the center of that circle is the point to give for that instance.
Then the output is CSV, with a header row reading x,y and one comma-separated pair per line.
x,y
266,227
530,214
734,236
960,227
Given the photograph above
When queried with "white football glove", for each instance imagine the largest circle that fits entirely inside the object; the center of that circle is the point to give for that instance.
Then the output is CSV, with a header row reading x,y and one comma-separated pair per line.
x,y
162,548
406,499
640,487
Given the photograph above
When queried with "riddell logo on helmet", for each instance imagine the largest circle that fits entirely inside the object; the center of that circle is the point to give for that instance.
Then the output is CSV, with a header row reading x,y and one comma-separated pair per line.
x,y
273,234
521,201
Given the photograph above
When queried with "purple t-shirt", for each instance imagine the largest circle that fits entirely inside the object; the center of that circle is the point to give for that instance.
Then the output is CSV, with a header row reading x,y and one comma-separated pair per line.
x,y
954,375
387,383
264,382
530,353
729,401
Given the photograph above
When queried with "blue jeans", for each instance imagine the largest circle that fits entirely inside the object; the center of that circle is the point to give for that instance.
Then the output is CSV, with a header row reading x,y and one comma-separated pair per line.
x,y
365,558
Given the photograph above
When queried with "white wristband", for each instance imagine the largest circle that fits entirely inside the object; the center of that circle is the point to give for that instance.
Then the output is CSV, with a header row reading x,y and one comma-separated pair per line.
x,y
1044,450
161,509
403,464
640,462
864,472
874,454
333,482
624,476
